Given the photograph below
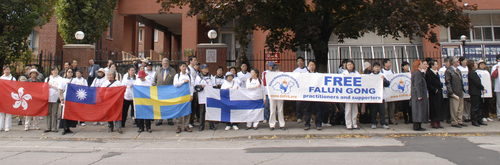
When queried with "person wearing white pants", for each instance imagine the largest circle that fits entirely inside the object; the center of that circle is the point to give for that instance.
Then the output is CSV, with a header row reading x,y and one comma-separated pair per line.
x,y
5,118
33,124
351,109
254,82
273,106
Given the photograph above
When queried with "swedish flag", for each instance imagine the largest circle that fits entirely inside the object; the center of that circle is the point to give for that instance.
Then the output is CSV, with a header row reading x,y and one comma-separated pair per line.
x,y
161,102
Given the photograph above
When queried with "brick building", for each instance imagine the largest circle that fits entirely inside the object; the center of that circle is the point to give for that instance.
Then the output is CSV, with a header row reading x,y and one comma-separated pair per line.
x,y
137,28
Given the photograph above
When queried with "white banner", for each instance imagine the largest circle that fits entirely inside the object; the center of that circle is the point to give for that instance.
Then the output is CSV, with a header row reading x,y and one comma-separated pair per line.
x,y
485,81
400,87
325,87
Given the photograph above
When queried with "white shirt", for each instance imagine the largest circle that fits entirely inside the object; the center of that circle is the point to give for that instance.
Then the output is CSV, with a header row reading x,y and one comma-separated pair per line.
x,y
129,94
442,69
243,77
218,81
208,82
139,82
98,82
386,72
263,83
301,70
80,81
254,83
231,85
54,87
150,75
180,79
116,83
191,71
355,73
9,77
462,69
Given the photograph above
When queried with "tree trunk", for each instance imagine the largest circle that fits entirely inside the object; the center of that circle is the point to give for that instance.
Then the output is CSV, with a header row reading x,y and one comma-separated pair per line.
x,y
321,56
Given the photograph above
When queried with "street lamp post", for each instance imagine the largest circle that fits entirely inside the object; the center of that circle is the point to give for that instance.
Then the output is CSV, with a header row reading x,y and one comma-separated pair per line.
x,y
212,34
79,35
463,38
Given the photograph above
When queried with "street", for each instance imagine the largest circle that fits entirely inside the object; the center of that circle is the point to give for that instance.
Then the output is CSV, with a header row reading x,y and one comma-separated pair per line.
x,y
416,149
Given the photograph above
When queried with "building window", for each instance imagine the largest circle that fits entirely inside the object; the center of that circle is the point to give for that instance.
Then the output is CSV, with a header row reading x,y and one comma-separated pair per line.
x,y
156,35
140,35
486,28
109,34
34,42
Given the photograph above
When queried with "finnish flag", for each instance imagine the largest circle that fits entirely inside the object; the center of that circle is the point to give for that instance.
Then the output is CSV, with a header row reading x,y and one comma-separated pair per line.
x,y
234,105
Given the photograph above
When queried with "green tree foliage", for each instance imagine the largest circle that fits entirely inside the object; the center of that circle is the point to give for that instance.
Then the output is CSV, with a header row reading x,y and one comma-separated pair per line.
x,y
304,24
17,20
90,16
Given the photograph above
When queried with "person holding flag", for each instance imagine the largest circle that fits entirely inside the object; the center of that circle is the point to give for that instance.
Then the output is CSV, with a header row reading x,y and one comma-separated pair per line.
x,y
27,123
244,75
98,81
113,82
128,79
79,80
142,81
203,80
254,82
64,123
230,83
181,78
53,80
5,118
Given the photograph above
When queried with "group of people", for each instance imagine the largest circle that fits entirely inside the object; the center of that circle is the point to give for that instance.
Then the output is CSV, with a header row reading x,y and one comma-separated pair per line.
x,y
426,104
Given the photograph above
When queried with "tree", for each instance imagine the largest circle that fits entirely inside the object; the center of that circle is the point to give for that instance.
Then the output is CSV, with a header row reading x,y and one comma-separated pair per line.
x,y
304,24
17,20
89,16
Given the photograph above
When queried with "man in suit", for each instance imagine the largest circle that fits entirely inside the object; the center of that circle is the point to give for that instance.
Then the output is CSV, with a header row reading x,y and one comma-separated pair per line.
x,y
92,70
454,85
164,76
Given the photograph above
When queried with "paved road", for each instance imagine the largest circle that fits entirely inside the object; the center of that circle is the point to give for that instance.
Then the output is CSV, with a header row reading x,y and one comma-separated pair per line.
x,y
371,150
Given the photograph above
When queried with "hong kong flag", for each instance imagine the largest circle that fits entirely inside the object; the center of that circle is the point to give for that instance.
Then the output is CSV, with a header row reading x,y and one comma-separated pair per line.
x,y
84,103
24,98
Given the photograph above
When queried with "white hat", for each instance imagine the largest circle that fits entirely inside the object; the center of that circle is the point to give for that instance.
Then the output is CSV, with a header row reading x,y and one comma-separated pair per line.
x,y
145,60
34,70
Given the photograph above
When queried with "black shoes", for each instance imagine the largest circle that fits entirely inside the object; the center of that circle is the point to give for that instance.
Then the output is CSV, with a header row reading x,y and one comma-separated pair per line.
x,y
456,126
140,130
201,128
149,130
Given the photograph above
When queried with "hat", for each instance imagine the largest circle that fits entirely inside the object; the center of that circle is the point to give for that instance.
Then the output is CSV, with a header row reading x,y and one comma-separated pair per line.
x,y
366,65
101,70
23,78
229,74
142,74
33,70
149,64
203,66
270,63
145,60
481,61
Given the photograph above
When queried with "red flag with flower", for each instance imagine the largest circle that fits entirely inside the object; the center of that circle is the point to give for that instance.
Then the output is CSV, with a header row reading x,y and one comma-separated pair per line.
x,y
24,98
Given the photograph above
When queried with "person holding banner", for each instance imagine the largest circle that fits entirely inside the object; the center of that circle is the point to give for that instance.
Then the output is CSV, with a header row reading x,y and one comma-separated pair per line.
x,y
143,81
476,89
181,78
318,106
203,80
351,109
254,82
113,82
5,118
53,80
419,101
269,67
219,77
301,68
378,107
435,90
276,105
230,83
463,68
390,107
27,123
64,123
404,105
485,102
455,89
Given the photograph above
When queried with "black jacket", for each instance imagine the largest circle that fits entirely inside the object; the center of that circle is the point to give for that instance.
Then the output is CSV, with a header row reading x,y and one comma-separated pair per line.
x,y
475,86
434,85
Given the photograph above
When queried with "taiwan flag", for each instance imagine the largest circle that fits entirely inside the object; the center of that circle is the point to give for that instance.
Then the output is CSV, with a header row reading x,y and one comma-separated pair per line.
x,y
24,98
84,103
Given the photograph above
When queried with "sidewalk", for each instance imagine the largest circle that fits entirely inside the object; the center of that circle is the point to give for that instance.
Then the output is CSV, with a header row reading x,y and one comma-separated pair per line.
x,y
294,130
